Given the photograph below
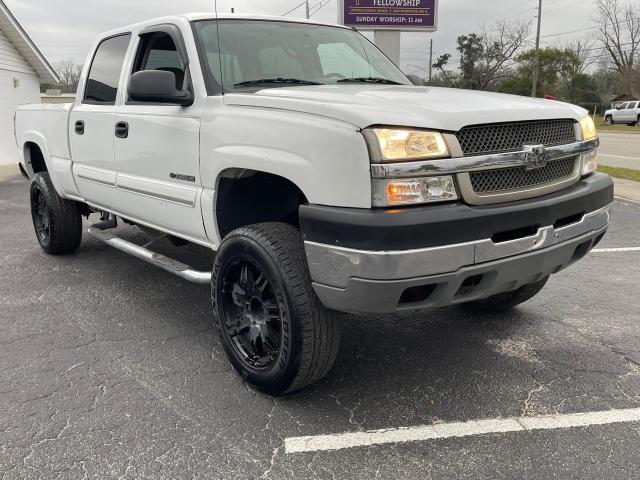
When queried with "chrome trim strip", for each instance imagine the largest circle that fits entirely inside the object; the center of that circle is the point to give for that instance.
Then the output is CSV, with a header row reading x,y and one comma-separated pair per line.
x,y
470,196
334,266
469,164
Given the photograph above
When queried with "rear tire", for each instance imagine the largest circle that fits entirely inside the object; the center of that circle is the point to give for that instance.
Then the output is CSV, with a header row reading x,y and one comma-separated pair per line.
x,y
507,300
274,330
57,222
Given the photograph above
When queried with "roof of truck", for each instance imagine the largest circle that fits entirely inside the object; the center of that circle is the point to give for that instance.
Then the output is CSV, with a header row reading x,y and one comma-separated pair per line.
x,y
212,16
248,16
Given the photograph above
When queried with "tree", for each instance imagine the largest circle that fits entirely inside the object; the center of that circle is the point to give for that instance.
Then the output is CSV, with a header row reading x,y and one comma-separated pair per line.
x,y
444,77
557,68
486,58
69,73
619,34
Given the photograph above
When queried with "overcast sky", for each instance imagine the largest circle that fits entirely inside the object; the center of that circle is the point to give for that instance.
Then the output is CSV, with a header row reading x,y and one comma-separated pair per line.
x,y
65,28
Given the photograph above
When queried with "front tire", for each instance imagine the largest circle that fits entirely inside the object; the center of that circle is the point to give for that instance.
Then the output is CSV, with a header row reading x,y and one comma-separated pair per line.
x,y
507,300
56,221
608,121
274,330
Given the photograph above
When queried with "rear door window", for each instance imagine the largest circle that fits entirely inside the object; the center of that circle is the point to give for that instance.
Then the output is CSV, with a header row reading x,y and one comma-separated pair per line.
x,y
106,67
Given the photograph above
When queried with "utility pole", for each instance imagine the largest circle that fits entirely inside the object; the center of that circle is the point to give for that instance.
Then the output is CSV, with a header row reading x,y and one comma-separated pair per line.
x,y
536,67
430,59
307,7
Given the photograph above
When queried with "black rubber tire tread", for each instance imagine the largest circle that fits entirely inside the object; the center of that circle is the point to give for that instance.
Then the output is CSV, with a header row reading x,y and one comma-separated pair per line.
x,y
319,331
507,300
65,228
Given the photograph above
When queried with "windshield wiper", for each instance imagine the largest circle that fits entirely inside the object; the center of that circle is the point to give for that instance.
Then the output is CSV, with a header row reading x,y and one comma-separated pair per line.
x,y
272,81
368,80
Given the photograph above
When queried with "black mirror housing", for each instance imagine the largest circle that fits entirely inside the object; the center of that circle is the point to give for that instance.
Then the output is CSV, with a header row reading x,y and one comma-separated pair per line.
x,y
157,86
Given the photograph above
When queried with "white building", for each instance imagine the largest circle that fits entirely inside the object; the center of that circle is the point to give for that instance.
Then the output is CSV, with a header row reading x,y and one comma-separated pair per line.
x,y
22,69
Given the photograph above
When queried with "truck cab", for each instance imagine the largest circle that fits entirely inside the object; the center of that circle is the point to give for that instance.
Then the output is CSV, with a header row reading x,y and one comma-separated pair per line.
x,y
318,175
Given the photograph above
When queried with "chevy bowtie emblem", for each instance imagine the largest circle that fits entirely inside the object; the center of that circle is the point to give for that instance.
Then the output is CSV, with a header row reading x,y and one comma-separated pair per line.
x,y
536,156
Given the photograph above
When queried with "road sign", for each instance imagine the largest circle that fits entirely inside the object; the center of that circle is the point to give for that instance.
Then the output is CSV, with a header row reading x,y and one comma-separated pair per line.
x,y
401,15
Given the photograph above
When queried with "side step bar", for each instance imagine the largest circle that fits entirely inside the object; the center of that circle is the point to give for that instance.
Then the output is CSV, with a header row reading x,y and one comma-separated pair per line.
x,y
157,259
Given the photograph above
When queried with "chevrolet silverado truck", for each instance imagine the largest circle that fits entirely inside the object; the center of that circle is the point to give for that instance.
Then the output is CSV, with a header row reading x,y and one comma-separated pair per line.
x,y
319,176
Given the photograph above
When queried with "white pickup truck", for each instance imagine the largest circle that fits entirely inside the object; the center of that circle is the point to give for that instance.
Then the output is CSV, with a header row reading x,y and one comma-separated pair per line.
x,y
627,112
322,179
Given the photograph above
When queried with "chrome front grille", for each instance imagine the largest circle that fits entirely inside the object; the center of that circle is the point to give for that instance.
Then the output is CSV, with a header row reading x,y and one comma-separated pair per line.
x,y
515,178
511,137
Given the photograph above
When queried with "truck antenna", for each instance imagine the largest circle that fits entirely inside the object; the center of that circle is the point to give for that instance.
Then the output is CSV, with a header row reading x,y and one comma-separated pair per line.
x,y
215,8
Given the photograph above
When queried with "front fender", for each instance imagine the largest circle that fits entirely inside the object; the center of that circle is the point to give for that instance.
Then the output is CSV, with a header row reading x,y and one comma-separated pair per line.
x,y
326,159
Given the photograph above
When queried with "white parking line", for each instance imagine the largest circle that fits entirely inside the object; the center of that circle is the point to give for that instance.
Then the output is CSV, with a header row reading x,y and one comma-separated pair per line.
x,y
610,250
458,429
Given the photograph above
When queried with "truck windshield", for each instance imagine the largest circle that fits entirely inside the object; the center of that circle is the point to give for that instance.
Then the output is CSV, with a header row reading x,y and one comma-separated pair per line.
x,y
257,54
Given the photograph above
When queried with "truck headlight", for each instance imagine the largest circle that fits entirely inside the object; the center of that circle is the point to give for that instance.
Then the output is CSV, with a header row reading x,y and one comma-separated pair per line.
x,y
412,191
588,128
398,144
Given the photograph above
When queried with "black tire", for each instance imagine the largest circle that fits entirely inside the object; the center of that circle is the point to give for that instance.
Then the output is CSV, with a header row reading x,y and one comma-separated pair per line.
x,y
262,294
608,120
507,300
56,221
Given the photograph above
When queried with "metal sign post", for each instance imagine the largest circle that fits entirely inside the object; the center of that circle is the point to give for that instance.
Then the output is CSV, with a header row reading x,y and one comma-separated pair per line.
x,y
388,18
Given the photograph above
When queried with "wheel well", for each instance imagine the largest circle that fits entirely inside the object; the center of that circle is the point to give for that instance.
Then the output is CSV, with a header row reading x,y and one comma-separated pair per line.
x,y
246,197
33,157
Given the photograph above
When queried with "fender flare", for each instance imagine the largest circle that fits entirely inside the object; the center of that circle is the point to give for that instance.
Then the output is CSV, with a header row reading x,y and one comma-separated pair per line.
x,y
37,138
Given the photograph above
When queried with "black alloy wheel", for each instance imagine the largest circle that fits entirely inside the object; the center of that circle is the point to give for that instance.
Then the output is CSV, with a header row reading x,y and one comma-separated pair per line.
x,y
40,213
252,315
57,221
274,330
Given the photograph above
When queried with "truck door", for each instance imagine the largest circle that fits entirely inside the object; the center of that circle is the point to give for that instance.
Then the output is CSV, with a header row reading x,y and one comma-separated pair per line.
x,y
91,124
157,153
618,113
631,112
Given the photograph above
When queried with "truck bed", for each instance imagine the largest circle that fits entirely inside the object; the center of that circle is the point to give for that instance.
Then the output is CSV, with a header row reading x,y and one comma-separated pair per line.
x,y
48,122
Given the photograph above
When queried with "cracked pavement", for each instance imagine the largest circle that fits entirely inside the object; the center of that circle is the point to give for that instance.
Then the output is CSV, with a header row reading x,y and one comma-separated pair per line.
x,y
110,369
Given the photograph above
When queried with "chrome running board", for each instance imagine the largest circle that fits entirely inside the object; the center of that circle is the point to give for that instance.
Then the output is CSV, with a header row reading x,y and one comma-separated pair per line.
x,y
165,263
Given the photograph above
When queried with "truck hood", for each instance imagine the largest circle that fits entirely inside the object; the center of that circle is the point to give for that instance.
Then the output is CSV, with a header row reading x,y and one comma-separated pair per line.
x,y
364,105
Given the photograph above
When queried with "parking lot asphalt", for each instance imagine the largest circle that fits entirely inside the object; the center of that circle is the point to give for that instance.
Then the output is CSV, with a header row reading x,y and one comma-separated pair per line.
x,y
109,368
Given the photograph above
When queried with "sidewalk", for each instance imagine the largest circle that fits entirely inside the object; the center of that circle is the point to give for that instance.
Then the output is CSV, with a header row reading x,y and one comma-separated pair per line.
x,y
627,189
9,172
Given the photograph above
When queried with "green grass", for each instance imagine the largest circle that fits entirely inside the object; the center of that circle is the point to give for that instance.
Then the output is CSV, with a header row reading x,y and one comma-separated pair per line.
x,y
619,172
614,128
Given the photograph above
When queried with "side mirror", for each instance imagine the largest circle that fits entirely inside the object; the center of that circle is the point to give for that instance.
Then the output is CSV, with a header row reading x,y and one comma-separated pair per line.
x,y
157,86
416,80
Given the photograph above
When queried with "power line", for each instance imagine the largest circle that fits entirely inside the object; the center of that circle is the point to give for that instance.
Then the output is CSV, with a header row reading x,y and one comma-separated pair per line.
x,y
294,8
320,5
586,29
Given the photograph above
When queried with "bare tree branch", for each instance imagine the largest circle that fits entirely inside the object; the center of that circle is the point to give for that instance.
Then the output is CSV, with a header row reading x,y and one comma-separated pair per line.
x,y
69,73
619,34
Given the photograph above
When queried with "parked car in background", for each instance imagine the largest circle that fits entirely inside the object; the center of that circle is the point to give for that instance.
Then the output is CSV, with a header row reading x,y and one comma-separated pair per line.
x,y
628,113
322,179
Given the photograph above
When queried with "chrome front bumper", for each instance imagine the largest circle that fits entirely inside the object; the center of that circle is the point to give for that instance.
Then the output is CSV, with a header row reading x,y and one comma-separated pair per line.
x,y
374,281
